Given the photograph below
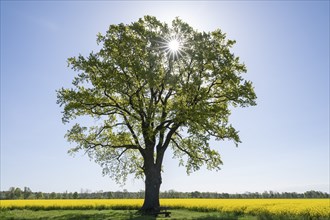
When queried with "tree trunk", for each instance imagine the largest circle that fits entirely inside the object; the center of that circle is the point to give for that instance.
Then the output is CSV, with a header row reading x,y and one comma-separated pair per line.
x,y
152,185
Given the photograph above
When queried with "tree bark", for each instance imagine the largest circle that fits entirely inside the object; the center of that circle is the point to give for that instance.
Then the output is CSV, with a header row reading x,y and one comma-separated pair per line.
x,y
152,185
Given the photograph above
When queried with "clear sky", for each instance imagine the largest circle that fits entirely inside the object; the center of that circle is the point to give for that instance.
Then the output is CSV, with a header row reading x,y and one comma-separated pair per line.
x,y
285,46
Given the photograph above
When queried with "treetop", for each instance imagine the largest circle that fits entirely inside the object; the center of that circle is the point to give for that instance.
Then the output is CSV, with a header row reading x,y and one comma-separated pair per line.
x,y
148,97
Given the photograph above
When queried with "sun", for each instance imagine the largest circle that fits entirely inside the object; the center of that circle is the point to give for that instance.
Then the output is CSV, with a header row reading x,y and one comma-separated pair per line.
x,y
174,45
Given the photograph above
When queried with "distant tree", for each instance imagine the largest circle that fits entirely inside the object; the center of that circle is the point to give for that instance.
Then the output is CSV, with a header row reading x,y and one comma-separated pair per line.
x,y
109,195
52,195
63,195
153,86
265,194
225,195
75,195
314,194
69,195
141,193
39,195
60,195
27,192
17,193
11,193
195,194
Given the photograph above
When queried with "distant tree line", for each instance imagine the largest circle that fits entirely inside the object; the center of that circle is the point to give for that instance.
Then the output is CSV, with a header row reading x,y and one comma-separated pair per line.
x,y
26,193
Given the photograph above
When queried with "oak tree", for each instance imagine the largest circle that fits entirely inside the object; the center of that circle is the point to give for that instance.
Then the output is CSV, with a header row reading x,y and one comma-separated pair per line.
x,y
154,86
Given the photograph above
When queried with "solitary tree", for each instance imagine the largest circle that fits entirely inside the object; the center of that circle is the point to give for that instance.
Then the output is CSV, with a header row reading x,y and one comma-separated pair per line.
x,y
152,86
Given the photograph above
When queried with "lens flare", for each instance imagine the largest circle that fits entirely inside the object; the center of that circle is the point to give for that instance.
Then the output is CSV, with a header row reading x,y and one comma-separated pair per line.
x,y
174,45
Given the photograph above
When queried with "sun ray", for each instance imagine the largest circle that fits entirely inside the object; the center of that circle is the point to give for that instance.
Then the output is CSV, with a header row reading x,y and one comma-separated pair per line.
x,y
173,46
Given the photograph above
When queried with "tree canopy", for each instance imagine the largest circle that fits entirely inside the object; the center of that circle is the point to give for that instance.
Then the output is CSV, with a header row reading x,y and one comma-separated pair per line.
x,y
147,97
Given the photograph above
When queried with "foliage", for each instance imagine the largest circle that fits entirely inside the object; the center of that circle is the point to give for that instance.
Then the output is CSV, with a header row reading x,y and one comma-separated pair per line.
x,y
282,208
147,98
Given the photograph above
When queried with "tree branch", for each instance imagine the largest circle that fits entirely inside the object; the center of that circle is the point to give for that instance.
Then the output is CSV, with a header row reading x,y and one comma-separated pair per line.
x,y
118,158
162,125
129,126
122,109
186,152
189,153
92,145
107,127
169,136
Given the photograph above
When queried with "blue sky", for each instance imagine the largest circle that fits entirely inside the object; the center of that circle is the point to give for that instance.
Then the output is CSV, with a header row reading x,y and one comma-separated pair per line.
x,y
285,46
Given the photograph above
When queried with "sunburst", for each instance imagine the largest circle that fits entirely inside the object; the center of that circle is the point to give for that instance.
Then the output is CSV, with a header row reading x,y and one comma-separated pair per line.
x,y
173,46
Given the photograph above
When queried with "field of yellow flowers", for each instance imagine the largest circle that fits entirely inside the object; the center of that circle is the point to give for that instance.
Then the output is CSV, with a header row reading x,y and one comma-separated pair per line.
x,y
308,208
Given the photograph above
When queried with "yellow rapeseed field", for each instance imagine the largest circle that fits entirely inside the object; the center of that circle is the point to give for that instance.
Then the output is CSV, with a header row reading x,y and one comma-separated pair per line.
x,y
285,207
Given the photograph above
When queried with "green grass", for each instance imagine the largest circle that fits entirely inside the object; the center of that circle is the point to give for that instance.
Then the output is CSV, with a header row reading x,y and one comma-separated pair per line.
x,y
111,214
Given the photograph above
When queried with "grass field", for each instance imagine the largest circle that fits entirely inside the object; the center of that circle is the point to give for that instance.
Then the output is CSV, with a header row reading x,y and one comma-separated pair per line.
x,y
180,208
113,214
